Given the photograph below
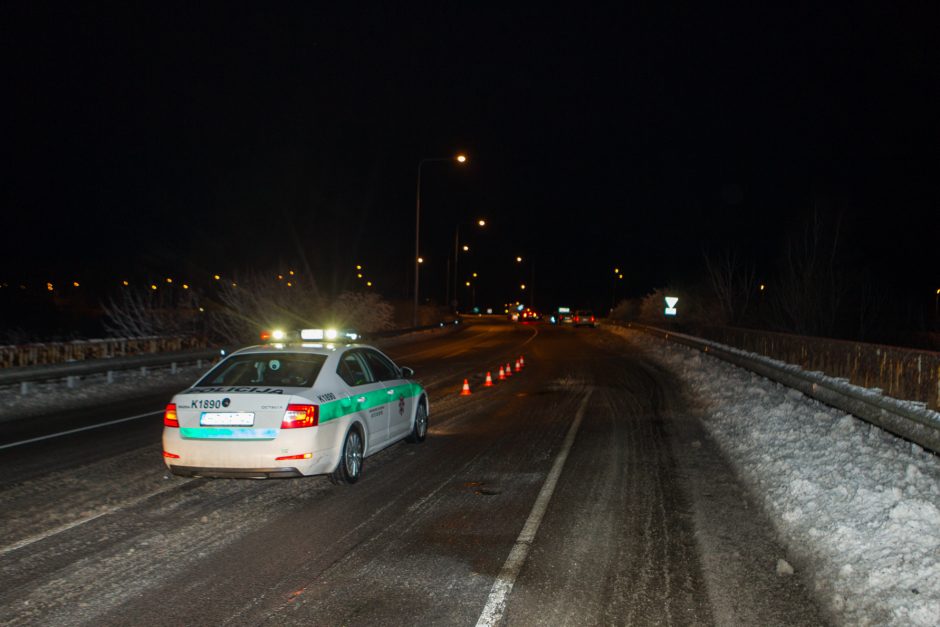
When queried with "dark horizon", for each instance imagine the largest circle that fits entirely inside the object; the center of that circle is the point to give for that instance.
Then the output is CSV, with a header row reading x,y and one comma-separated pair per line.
x,y
190,141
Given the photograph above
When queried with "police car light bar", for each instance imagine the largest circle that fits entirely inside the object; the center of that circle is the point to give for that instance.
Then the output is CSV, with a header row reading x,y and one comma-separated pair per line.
x,y
329,335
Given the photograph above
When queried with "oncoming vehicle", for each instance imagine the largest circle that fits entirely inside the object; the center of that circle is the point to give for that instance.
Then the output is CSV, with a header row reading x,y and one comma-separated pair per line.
x,y
584,318
293,409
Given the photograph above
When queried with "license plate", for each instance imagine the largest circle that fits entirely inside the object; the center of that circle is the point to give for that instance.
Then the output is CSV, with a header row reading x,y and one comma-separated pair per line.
x,y
227,419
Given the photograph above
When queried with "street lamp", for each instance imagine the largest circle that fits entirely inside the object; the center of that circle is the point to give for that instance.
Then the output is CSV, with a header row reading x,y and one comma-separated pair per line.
x,y
480,223
531,281
459,159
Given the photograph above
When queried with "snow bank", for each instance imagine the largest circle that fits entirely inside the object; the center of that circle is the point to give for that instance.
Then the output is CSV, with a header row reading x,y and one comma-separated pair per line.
x,y
859,509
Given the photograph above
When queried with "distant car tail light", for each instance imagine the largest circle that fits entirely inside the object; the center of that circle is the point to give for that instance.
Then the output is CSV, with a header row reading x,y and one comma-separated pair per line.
x,y
592,318
577,319
169,416
170,455
300,456
300,416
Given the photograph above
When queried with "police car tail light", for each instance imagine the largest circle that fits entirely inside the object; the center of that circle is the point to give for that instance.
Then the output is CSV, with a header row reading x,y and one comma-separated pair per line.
x,y
169,416
170,455
300,416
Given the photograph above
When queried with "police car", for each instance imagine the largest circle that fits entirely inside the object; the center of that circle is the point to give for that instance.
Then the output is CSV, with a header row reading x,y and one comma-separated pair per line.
x,y
294,408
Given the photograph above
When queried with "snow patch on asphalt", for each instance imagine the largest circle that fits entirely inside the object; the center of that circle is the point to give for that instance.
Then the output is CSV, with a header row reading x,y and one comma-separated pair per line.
x,y
859,509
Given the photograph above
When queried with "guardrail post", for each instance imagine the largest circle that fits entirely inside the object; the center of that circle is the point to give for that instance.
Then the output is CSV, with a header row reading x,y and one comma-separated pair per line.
x,y
110,376
71,381
199,363
24,388
143,370
173,368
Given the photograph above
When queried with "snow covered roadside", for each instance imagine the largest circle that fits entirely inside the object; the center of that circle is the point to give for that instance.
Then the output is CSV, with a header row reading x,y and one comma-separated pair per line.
x,y
858,509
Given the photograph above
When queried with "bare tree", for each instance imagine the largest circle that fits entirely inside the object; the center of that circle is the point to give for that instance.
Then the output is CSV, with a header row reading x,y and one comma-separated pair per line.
x,y
809,292
146,313
260,300
732,281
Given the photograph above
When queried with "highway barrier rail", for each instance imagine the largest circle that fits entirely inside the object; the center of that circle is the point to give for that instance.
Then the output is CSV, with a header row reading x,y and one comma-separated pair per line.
x,y
93,357
911,420
900,372
71,371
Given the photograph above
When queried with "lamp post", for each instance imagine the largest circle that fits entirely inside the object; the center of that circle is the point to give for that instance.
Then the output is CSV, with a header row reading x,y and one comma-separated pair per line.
x,y
531,282
618,276
458,159
481,223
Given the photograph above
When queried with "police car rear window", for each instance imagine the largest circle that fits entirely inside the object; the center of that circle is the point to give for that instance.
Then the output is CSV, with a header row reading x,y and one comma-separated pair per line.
x,y
270,370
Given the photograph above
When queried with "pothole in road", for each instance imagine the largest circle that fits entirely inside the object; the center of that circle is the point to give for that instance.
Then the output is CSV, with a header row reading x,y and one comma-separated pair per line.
x,y
481,489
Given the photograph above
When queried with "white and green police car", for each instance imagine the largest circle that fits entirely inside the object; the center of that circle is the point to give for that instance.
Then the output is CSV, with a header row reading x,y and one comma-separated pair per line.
x,y
289,409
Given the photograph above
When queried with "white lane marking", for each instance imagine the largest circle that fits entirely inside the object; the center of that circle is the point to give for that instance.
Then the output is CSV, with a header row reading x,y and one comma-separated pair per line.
x,y
70,431
496,603
82,521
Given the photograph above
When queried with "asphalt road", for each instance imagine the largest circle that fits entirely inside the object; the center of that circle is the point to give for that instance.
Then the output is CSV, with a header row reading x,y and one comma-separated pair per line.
x,y
581,491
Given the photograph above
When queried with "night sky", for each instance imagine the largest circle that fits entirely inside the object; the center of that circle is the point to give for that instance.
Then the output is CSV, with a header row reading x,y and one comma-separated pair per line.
x,y
190,140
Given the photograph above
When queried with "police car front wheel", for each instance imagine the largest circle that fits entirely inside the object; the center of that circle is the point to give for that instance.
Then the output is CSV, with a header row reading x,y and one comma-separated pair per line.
x,y
420,429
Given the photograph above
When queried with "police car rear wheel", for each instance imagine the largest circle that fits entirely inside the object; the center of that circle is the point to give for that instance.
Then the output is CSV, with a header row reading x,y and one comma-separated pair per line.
x,y
420,429
350,464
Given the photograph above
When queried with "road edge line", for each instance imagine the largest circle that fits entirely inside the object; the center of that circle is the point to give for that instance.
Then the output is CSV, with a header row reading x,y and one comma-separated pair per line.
x,y
79,430
492,612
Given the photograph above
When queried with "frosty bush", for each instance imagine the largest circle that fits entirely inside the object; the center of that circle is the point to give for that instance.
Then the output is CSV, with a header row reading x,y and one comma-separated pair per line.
x,y
146,313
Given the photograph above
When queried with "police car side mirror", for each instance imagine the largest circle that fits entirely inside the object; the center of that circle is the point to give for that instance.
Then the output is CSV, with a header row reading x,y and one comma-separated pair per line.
x,y
407,373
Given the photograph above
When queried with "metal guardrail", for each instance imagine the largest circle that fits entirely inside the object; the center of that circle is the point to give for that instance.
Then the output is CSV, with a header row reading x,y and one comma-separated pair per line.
x,y
910,420
12,376
69,370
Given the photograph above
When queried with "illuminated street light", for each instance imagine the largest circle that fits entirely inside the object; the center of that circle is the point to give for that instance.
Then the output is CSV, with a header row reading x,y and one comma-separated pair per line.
x,y
481,223
531,279
460,159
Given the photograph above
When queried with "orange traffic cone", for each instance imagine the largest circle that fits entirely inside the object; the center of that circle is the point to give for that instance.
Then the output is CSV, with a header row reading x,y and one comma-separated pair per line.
x,y
502,374
518,366
466,388
508,370
522,360
489,381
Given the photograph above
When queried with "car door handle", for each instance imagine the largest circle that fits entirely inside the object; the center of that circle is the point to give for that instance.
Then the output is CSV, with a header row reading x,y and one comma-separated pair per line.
x,y
361,399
